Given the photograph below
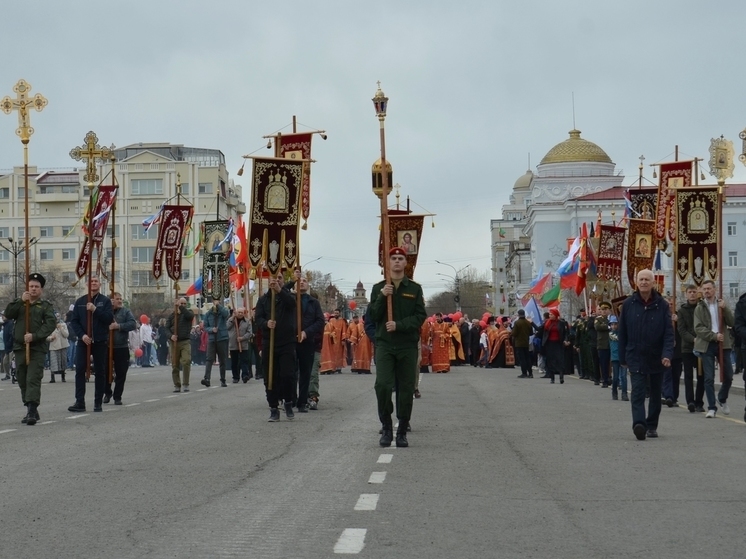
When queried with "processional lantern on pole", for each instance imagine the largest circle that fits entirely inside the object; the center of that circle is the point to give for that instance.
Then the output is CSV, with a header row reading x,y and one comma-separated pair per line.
x,y
381,102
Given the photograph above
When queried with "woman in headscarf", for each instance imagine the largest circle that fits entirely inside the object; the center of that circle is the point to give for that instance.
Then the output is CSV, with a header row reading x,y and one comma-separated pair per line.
x,y
553,342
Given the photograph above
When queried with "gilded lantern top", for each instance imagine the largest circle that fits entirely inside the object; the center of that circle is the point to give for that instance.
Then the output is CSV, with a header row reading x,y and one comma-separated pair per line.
x,y
575,149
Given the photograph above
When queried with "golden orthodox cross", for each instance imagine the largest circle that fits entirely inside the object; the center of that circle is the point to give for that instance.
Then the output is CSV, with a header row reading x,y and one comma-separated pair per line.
x,y
21,104
91,152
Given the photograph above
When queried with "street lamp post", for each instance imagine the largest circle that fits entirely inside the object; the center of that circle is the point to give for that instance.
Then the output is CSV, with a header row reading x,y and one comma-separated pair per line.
x,y
381,103
16,248
456,281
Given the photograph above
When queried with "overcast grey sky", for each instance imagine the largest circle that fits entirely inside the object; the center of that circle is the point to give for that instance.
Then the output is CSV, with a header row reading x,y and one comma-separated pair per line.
x,y
474,87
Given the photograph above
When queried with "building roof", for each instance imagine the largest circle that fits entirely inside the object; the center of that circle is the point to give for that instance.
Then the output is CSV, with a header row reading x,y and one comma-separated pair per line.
x,y
617,192
524,181
575,149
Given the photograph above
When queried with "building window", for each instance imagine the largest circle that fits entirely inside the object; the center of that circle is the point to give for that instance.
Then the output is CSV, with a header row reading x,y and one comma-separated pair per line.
x,y
185,274
139,233
4,256
5,193
733,259
107,253
46,231
21,232
733,289
116,231
68,254
4,232
732,229
46,254
155,166
66,231
142,278
185,188
142,254
205,188
21,193
5,279
68,277
147,187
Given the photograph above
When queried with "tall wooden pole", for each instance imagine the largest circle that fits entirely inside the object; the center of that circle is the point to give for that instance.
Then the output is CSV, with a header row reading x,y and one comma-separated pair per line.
x,y
113,266
721,324
380,101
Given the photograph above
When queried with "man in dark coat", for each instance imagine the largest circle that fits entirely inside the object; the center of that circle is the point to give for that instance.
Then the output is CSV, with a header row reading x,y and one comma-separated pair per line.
x,y
646,343
522,331
739,327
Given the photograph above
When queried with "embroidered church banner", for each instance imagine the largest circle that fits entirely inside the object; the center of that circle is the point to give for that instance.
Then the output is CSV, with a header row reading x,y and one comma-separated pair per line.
x,y
99,222
173,228
610,253
216,250
697,238
275,208
296,147
405,231
644,202
640,247
672,176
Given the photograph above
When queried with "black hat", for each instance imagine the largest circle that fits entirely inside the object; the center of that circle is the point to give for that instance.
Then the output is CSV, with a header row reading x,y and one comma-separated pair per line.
x,y
521,312
36,276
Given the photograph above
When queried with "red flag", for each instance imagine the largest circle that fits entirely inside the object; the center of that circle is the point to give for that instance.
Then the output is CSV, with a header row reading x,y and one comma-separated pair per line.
x,y
242,256
584,264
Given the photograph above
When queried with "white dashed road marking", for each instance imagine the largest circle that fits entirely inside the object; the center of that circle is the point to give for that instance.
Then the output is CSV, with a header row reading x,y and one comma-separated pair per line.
x,y
7,431
153,400
385,458
377,477
77,416
367,501
47,422
352,540
130,405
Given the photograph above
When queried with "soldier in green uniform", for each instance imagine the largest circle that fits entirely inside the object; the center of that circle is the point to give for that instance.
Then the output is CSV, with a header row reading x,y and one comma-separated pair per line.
x,y
396,345
42,323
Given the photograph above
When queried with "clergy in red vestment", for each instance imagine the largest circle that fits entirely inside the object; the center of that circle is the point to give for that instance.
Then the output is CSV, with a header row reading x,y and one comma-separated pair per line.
x,y
362,350
456,353
440,357
340,327
426,341
326,364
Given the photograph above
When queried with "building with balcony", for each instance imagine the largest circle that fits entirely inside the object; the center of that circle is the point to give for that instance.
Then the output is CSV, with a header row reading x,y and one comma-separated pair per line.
x,y
147,176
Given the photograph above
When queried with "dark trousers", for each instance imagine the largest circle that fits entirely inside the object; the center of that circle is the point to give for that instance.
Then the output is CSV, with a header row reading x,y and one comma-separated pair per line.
x,y
256,360
595,374
305,352
221,349
604,361
240,363
121,366
672,380
524,360
554,357
691,363
146,349
637,399
283,375
162,353
100,354
395,367
708,367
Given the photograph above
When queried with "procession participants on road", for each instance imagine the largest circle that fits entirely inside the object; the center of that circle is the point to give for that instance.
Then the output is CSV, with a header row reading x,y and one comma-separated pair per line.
x,y
122,325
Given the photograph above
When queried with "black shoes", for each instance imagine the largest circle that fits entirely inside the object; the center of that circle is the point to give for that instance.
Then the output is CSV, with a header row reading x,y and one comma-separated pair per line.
x,y
522,376
117,402
652,434
63,377
614,395
77,407
625,398
222,383
401,435
690,407
274,415
387,433
97,408
25,417
639,431
33,415
52,381
205,382
289,411
235,381
303,408
562,379
107,399
699,409
669,402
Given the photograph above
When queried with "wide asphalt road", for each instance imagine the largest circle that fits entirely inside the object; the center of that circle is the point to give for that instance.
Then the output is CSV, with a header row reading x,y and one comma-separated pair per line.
x,y
498,467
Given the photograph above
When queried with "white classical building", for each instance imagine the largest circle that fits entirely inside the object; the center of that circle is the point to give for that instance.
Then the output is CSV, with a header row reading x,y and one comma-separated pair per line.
x,y
575,181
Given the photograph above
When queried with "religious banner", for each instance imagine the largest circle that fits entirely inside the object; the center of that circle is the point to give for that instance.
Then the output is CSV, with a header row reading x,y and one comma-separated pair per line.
x,y
697,236
640,247
610,253
644,202
275,200
174,226
216,250
98,219
405,231
672,176
298,146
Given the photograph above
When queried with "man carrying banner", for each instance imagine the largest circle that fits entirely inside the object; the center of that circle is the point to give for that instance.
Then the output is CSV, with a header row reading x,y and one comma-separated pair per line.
x,y
396,345
282,356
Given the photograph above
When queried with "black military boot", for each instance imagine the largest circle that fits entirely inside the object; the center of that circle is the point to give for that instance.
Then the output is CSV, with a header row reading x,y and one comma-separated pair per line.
x,y
33,415
387,432
25,417
51,381
401,434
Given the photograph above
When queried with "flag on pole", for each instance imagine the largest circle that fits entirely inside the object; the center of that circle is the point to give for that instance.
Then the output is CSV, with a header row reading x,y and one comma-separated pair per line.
x,y
551,297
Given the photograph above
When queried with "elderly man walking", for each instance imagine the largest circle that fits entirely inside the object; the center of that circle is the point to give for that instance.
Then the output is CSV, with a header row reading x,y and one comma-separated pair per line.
x,y
646,343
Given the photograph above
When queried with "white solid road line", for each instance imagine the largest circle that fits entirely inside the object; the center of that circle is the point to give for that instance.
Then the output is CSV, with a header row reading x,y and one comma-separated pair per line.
x,y
153,400
47,422
130,405
173,396
7,431
367,501
352,540
201,389
77,416
377,477
385,458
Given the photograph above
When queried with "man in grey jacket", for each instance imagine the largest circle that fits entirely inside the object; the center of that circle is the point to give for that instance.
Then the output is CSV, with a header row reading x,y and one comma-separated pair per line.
x,y
711,317
685,326
178,330
123,324
215,323
239,336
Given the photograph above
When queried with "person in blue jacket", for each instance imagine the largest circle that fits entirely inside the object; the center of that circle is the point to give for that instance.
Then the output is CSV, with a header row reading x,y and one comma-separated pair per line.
x,y
646,343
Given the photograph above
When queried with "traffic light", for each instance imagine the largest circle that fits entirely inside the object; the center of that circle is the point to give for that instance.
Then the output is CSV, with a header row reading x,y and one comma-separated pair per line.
x,y
199,302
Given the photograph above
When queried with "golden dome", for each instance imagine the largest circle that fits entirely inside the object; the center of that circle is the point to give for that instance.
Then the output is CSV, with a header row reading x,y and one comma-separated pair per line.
x,y
376,167
524,181
575,149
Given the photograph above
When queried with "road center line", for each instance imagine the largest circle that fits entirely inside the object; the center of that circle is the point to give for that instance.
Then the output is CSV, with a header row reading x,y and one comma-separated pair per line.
x,y
352,540
377,477
7,431
201,389
367,501
77,416
47,422
173,396
153,400
130,405
385,458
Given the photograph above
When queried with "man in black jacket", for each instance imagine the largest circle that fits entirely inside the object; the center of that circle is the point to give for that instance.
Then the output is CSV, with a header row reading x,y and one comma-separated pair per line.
x,y
646,348
98,314
312,324
739,327
122,325
695,401
285,340
179,332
